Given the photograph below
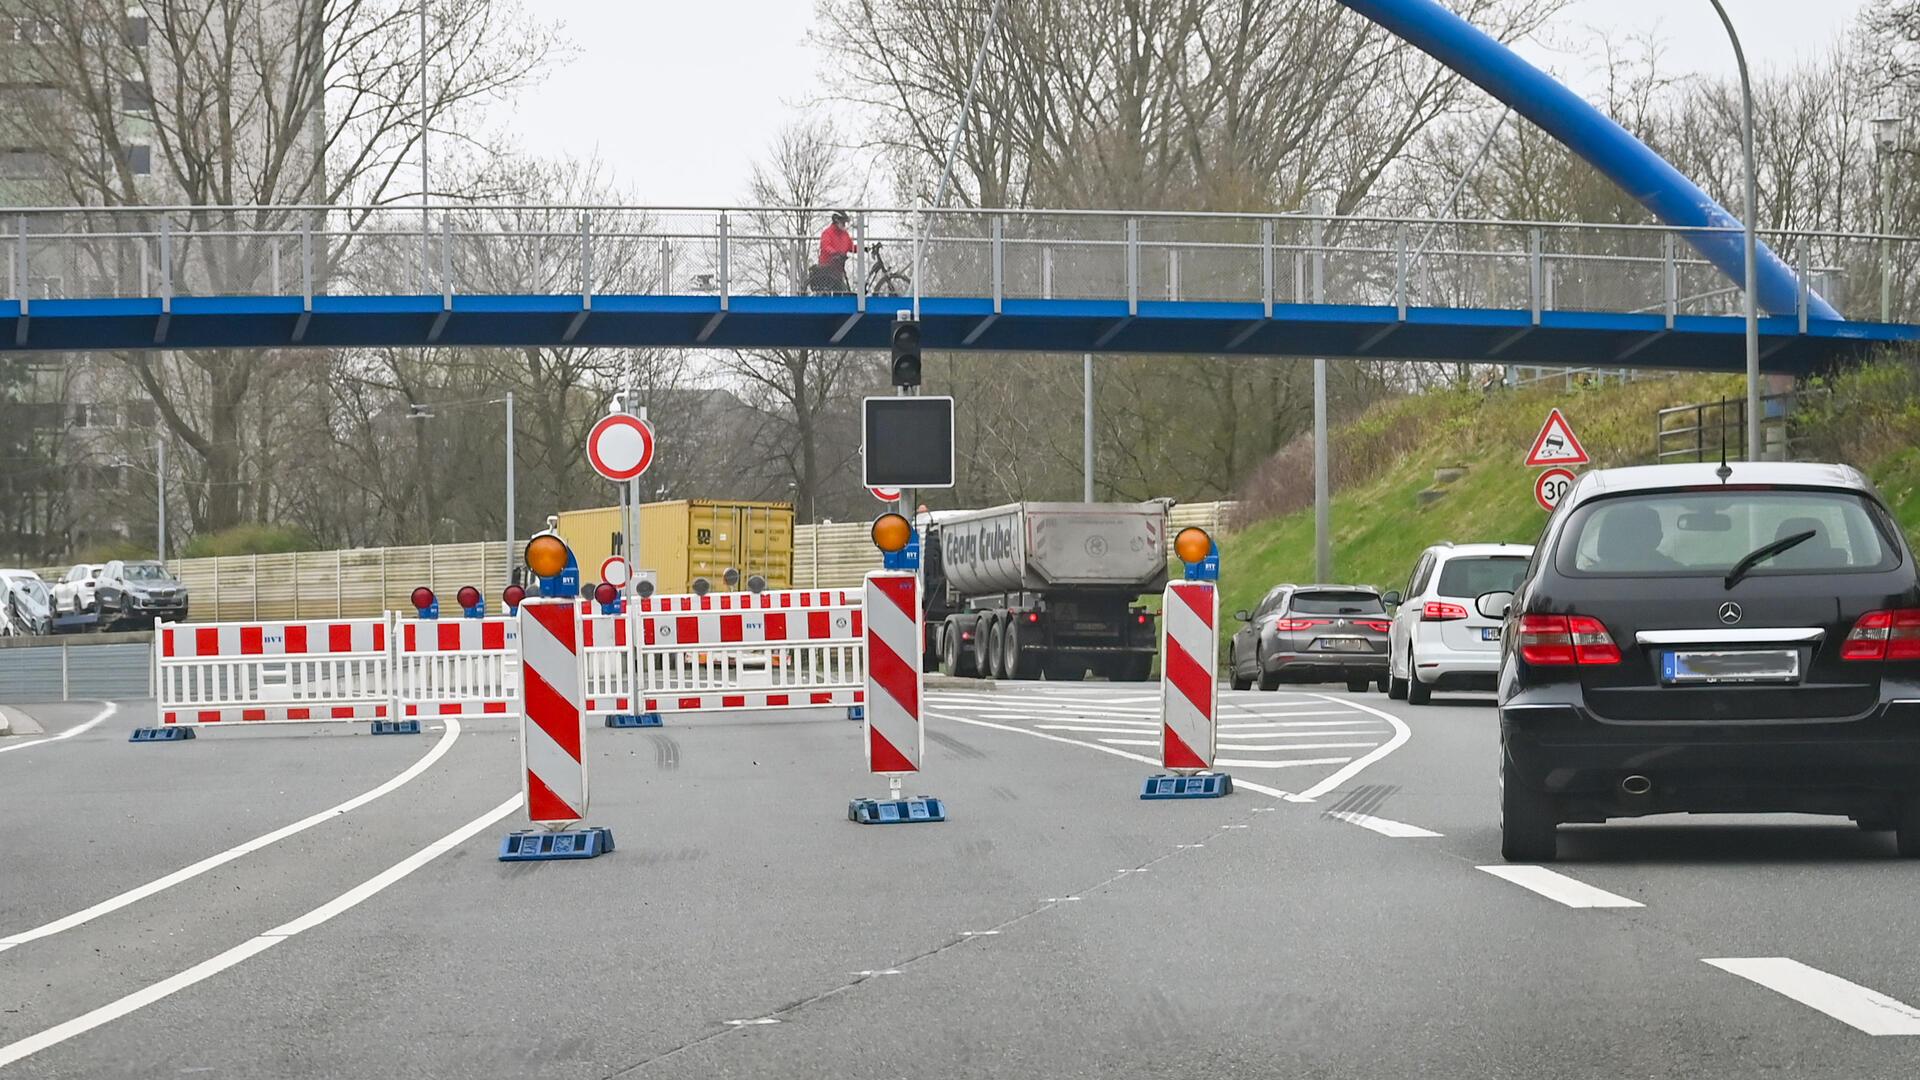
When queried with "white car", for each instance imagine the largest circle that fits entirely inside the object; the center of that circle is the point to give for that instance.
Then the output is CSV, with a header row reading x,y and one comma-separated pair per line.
x,y
1439,639
74,594
30,604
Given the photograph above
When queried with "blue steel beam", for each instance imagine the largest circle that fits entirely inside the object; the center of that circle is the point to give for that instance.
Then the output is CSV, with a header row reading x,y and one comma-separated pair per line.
x,y
1644,175
1184,327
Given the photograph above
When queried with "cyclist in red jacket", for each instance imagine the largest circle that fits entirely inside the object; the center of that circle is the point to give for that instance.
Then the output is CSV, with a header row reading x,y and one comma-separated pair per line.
x,y
836,243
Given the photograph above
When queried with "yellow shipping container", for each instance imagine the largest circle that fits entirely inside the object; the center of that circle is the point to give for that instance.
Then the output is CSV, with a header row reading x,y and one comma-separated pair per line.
x,y
690,538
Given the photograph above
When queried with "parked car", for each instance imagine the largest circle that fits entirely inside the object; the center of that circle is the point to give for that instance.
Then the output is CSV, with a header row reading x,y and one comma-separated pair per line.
x,y
74,593
1703,639
133,593
1438,640
29,603
1311,633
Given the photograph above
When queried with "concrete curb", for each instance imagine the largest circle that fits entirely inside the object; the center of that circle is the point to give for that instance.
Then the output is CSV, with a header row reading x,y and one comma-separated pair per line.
x,y
954,682
15,722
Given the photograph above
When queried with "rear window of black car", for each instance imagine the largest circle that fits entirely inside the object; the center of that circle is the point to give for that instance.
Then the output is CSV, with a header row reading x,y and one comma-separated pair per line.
x,y
1707,532
1471,575
1329,602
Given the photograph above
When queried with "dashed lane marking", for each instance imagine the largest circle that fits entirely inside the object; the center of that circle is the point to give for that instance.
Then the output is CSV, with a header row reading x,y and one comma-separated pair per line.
x,y
1383,826
1850,1003
1559,887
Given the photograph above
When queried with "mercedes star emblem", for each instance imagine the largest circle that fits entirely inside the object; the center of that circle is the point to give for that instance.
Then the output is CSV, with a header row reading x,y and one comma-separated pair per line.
x,y
1729,613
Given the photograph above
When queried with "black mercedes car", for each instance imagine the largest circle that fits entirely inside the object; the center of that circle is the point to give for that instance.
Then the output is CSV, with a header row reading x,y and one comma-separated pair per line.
x,y
1708,638
1312,633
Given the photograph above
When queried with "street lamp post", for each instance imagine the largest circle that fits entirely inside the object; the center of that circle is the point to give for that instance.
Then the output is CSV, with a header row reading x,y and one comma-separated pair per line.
x,y
1886,138
418,410
1751,213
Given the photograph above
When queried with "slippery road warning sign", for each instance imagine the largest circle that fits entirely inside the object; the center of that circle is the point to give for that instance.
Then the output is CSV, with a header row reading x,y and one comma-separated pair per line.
x,y
1551,487
1556,444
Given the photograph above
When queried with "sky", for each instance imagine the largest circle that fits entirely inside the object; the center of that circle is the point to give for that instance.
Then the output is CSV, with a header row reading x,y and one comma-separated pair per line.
x,y
678,100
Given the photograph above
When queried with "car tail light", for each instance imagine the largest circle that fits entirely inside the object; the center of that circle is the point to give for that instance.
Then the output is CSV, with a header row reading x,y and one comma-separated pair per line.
x,y
1551,640
1884,635
1591,642
1441,611
1376,627
1284,624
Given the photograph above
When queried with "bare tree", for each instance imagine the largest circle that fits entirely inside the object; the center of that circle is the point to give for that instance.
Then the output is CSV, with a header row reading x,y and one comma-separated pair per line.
x,y
269,105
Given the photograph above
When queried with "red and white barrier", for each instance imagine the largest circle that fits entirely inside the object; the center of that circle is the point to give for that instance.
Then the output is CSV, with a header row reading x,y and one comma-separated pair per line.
x,y
279,672
553,718
727,651
1189,692
893,683
608,657
456,667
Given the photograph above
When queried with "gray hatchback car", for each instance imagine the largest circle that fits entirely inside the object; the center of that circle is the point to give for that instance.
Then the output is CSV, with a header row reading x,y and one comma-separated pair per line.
x,y
1312,633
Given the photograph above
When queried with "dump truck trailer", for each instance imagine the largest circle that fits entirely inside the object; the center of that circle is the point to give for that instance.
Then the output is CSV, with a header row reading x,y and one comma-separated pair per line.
x,y
1041,588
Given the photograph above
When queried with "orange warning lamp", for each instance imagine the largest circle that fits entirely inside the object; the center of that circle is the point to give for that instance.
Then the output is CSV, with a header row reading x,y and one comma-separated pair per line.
x,y
1192,544
546,555
891,533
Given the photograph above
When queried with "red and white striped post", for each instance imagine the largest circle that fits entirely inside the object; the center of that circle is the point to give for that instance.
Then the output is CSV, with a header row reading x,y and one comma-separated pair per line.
x,y
1189,692
894,727
553,719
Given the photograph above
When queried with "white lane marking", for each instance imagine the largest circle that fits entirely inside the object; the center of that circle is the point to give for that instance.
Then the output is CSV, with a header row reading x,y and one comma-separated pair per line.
x,y
1244,763
1383,826
1128,754
1131,742
981,933
1295,746
1559,887
1302,723
873,974
1091,729
1401,733
754,1021
1316,733
1351,720
188,873
77,729
1850,1003
212,966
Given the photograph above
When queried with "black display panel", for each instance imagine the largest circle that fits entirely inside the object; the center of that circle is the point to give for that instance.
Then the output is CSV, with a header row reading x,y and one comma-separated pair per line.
x,y
908,442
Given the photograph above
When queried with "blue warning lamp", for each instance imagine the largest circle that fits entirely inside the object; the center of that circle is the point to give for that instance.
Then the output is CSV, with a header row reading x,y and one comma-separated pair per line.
x,y
552,561
1199,553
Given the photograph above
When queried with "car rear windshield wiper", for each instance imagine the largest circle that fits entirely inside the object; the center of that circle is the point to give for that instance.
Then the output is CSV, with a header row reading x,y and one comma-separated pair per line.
x,y
1764,552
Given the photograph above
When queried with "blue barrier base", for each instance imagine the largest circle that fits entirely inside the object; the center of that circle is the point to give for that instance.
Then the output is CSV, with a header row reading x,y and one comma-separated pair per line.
x,y
856,712
573,844
162,734
396,727
651,719
1204,786
896,811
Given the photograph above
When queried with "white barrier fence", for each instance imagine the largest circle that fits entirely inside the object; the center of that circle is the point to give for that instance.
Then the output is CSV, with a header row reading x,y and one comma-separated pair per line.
x,y
725,651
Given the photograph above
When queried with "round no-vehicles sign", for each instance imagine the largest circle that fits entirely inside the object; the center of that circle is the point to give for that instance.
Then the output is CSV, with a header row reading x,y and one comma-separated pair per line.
x,y
1552,486
614,572
620,446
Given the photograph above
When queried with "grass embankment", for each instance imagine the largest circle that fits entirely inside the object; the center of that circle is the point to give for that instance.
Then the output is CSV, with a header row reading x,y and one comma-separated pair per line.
x,y
1380,523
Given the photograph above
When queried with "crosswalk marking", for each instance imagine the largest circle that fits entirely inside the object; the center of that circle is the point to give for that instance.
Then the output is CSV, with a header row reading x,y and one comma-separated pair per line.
x,y
1245,763
1850,1003
1559,887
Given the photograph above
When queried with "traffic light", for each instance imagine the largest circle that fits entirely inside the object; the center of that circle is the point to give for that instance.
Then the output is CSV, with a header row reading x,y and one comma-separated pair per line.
x,y
906,353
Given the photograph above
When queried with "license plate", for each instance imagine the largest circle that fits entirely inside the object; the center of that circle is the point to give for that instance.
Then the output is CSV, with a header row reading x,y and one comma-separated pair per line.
x,y
1731,666
1342,644
1489,633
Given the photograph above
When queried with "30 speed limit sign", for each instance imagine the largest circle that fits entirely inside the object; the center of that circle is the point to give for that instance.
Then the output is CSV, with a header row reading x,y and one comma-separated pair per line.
x,y
1552,486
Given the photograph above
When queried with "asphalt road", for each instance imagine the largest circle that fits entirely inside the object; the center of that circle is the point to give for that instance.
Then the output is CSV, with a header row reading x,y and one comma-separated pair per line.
x,y
312,901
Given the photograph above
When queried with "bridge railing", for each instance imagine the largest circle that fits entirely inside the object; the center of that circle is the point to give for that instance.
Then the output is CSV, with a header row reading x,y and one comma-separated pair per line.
x,y
1136,257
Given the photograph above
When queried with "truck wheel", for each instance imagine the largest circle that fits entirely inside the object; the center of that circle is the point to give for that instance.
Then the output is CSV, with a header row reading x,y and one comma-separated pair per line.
x,y
982,658
1012,658
1136,668
1357,686
955,659
996,648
